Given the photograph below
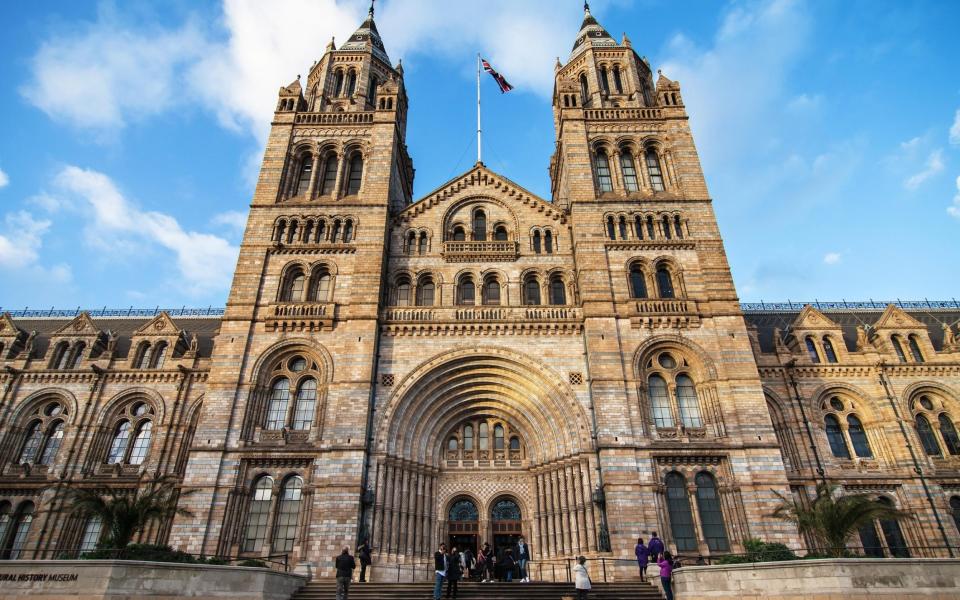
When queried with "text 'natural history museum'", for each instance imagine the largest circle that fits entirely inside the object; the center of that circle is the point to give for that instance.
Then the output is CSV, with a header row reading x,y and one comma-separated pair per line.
x,y
481,363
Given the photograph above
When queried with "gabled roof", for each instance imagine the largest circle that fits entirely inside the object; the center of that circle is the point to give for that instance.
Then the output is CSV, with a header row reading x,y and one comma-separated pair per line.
x,y
811,318
7,327
895,317
161,324
82,324
591,34
366,37
479,180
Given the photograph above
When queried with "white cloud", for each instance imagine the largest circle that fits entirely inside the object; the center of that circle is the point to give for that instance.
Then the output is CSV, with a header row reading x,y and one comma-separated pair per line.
x,y
204,261
4,179
21,240
110,73
932,166
233,219
831,258
954,209
737,86
107,73
955,128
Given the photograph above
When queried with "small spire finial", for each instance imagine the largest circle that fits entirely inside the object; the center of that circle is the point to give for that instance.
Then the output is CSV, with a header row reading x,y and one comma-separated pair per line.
x,y
298,76
586,7
371,8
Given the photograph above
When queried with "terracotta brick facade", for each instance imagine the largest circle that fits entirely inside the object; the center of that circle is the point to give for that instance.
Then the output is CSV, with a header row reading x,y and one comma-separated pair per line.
x,y
578,369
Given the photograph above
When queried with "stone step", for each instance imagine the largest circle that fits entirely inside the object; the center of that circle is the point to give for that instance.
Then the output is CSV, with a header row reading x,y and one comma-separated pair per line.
x,y
327,589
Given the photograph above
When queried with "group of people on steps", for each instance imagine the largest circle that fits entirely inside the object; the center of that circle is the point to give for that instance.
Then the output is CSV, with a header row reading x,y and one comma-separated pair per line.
x,y
653,551
452,566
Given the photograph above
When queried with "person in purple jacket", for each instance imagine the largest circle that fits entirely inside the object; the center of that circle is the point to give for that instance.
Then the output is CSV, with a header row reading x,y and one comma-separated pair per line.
x,y
665,560
643,557
654,546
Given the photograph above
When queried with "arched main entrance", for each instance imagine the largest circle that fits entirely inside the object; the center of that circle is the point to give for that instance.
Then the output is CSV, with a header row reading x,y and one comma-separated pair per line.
x,y
482,445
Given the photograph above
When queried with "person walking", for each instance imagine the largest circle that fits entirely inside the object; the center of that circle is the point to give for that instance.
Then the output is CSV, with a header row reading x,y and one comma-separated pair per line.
x,y
581,578
364,552
508,564
467,562
666,573
485,563
654,546
523,557
643,557
454,571
345,566
440,560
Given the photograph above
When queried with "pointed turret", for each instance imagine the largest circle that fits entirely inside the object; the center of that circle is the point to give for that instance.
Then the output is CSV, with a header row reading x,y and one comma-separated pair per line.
x,y
592,34
366,37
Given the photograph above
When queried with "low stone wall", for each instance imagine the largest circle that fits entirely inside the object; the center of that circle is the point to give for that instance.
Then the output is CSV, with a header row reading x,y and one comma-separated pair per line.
x,y
121,580
829,579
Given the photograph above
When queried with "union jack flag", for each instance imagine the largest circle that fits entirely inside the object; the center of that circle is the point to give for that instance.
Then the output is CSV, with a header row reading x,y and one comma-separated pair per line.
x,y
501,81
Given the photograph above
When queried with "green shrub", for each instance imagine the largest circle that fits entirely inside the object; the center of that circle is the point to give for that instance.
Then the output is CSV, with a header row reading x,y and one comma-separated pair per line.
x,y
147,552
759,551
250,562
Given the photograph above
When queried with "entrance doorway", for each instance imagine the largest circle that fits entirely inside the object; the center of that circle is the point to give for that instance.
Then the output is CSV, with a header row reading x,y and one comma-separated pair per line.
x,y
463,526
507,528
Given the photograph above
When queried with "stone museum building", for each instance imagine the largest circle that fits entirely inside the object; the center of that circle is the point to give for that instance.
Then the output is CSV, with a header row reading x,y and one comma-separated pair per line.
x,y
481,363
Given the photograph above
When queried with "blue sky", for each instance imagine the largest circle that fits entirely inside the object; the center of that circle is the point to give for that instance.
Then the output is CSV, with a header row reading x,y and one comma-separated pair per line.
x,y
132,133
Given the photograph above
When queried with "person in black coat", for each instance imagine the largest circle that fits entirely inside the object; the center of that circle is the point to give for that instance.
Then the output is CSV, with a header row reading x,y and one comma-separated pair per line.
x,y
345,566
364,552
508,564
440,561
454,572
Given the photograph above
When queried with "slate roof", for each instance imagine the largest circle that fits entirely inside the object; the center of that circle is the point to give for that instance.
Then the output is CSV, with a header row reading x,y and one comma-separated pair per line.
x,y
206,329
848,320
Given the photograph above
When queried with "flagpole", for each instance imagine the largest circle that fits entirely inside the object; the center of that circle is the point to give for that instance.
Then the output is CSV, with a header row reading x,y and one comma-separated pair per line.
x,y
479,143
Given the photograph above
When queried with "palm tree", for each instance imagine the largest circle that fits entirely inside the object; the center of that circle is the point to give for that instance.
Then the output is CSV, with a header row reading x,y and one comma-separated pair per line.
x,y
831,520
126,512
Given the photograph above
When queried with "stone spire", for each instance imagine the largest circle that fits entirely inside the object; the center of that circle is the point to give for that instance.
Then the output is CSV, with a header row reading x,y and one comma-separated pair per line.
x,y
366,37
591,34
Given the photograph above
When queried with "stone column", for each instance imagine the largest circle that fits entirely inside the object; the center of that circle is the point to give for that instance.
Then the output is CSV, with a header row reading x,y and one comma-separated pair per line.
x,y
341,169
313,176
588,499
572,504
376,537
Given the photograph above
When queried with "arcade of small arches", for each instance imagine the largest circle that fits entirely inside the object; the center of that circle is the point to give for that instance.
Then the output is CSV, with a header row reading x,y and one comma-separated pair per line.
x,y
613,80
314,230
457,230
323,173
627,178
492,288
645,226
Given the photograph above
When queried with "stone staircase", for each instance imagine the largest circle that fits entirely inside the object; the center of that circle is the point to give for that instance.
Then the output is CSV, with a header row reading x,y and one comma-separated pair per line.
x,y
326,589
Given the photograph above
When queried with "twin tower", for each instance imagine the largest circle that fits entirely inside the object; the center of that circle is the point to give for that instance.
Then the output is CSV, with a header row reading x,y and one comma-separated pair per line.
x,y
481,363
